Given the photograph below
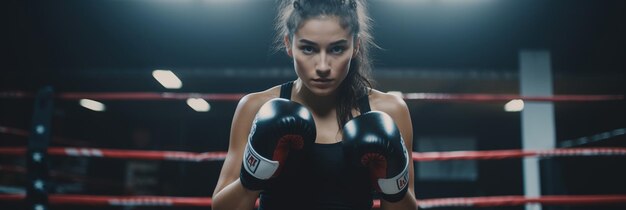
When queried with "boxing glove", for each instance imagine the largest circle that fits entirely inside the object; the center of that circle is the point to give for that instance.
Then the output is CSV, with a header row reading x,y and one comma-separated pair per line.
x,y
372,140
279,127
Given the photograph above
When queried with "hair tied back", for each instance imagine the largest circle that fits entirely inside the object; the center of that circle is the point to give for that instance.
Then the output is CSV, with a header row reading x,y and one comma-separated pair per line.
x,y
296,5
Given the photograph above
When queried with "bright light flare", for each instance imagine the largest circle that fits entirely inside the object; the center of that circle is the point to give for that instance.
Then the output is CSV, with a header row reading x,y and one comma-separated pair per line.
x,y
92,105
167,78
198,104
515,105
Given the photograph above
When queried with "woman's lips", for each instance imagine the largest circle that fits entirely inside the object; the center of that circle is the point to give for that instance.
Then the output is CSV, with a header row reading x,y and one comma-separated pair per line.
x,y
322,82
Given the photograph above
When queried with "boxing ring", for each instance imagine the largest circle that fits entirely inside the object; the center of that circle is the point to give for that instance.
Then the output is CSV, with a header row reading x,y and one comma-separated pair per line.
x,y
37,152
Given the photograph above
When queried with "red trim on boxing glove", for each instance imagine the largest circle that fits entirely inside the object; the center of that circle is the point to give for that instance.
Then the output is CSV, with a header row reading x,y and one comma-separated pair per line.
x,y
377,165
286,143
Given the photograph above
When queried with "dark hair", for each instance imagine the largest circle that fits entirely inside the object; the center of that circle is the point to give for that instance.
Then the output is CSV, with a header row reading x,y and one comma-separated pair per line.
x,y
353,16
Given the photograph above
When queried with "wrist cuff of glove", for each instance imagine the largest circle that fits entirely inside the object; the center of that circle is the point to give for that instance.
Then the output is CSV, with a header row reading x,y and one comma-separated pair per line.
x,y
258,166
255,169
397,183
393,189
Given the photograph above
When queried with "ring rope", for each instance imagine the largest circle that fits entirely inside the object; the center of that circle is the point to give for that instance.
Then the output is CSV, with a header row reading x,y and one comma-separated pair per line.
x,y
237,96
122,154
493,201
490,201
417,156
508,154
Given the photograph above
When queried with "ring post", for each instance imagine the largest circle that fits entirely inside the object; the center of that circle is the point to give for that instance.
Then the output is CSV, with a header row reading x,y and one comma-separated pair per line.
x,y
538,131
37,155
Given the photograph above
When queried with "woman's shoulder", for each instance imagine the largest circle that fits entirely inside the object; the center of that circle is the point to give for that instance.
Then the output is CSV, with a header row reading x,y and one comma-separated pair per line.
x,y
391,104
252,102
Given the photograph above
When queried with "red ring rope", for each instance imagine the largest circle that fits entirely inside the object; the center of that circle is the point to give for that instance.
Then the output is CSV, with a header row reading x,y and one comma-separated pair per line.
x,y
514,200
417,156
237,96
122,154
507,97
507,154
96,200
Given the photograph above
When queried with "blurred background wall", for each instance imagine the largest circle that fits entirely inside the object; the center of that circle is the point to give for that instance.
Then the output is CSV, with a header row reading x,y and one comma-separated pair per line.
x,y
222,46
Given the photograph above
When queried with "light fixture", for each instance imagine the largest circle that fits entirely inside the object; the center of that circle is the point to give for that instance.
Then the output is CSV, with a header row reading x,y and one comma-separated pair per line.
x,y
515,105
93,105
167,78
198,104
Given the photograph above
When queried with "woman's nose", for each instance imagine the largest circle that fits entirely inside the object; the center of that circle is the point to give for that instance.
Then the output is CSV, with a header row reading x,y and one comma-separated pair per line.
x,y
323,67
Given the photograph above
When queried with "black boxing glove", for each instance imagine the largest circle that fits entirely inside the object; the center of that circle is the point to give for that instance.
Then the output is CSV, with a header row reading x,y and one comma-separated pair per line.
x,y
373,140
280,127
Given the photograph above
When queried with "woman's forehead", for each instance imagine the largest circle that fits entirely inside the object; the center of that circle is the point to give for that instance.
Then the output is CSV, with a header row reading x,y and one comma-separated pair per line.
x,y
323,30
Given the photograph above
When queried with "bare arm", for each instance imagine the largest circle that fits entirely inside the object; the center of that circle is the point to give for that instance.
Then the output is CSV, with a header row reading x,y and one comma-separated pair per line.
x,y
229,193
398,110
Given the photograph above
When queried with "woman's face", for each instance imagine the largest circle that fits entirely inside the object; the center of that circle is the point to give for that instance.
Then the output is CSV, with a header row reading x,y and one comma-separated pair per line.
x,y
321,51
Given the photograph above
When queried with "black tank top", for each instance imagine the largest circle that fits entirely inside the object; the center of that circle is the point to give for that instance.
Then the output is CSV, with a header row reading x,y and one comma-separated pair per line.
x,y
323,181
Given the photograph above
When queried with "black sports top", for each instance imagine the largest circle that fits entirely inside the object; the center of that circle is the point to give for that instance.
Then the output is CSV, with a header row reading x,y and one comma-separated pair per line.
x,y
323,181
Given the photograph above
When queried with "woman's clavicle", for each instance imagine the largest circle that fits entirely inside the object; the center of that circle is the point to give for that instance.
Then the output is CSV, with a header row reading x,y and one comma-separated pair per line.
x,y
328,131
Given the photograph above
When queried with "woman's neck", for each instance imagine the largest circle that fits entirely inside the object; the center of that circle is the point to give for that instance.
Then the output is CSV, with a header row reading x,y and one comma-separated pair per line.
x,y
318,104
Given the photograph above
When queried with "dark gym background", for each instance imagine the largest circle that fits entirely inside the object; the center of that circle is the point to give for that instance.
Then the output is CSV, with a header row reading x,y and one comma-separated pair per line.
x,y
220,46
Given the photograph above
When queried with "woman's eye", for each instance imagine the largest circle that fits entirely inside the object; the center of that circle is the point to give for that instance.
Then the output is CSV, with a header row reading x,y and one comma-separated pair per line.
x,y
337,50
307,49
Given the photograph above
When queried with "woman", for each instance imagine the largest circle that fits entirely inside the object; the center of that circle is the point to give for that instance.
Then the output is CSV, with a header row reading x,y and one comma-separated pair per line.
x,y
309,144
